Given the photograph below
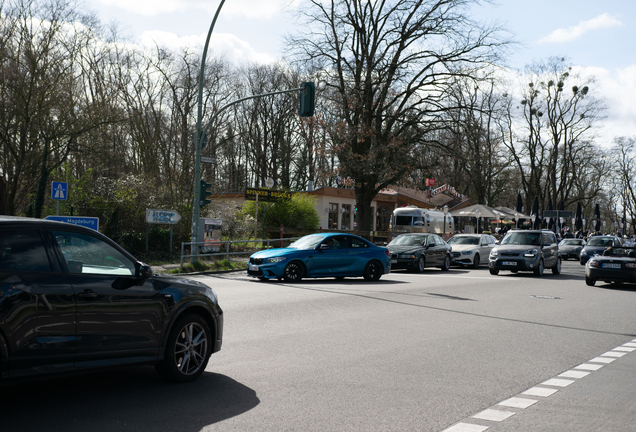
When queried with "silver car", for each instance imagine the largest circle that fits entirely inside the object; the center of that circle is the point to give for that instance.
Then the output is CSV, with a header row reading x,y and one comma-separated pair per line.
x,y
471,249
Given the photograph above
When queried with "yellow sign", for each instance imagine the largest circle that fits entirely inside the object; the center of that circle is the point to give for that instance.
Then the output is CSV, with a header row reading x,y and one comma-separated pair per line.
x,y
266,194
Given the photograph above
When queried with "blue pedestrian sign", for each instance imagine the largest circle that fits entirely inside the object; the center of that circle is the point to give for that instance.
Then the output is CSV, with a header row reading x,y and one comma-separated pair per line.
x,y
59,190
85,221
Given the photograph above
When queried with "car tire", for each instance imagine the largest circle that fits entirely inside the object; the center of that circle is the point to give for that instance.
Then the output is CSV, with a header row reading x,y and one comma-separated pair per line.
x,y
476,261
538,271
557,268
294,272
589,281
494,272
446,265
421,265
372,271
188,349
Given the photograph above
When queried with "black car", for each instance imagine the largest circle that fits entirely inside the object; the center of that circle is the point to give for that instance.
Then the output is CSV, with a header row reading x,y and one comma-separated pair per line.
x,y
417,251
526,250
617,265
571,248
73,300
597,245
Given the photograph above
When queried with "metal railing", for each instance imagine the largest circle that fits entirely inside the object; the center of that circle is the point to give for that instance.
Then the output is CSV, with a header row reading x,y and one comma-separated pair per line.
x,y
197,245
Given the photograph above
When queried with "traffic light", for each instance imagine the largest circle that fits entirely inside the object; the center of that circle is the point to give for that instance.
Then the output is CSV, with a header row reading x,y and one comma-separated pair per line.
x,y
307,99
204,193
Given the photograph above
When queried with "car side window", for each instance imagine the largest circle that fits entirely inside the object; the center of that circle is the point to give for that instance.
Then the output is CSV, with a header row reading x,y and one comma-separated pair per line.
x,y
358,244
439,241
340,242
89,255
23,251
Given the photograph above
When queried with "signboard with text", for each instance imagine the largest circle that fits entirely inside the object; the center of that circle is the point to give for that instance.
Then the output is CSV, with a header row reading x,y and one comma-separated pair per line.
x,y
266,194
85,221
162,216
430,182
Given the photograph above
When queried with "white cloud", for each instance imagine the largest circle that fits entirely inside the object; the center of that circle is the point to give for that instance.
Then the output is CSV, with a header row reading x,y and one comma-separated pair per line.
x,y
264,9
561,35
228,45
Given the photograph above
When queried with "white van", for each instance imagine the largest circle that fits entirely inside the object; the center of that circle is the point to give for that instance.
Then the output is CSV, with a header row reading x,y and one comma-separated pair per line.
x,y
418,220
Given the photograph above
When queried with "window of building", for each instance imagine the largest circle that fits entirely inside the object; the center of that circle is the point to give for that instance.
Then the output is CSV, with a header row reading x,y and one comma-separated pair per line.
x,y
346,216
333,216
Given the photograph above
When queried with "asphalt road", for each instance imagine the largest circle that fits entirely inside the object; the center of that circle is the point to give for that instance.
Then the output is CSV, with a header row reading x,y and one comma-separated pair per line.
x,y
412,352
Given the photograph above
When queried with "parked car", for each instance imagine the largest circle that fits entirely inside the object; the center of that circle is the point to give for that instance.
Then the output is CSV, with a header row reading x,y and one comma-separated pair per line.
x,y
571,248
71,300
416,251
471,249
321,255
526,250
617,265
597,245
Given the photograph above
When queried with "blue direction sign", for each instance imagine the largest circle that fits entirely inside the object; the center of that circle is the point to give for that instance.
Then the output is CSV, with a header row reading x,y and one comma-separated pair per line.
x,y
59,190
85,221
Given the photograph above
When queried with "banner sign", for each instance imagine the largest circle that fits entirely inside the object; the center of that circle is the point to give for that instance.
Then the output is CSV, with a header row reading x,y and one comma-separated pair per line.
x,y
266,194
430,182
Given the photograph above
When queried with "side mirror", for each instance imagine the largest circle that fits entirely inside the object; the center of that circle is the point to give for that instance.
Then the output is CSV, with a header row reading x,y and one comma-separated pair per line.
x,y
144,271
324,246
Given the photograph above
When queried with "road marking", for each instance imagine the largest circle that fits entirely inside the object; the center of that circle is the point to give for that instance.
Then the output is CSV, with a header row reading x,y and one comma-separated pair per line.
x,y
602,360
625,349
557,382
587,366
613,354
629,344
573,374
466,427
540,391
493,415
517,402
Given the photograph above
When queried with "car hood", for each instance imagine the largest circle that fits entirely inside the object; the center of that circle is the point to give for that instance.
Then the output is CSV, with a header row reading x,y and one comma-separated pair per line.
x,y
461,247
405,249
594,249
569,247
274,252
516,248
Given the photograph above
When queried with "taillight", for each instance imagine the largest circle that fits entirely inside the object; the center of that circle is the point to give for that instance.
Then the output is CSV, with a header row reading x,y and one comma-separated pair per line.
x,y
387,253
593,263
630,265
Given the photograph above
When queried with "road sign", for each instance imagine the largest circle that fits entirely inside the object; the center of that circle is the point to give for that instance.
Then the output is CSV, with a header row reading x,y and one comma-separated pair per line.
x,y
162,216
210,160
269,182
85,221
59,190
558,213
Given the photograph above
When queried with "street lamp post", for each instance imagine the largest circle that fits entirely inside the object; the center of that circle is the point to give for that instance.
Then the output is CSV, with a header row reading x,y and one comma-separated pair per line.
x,y
445,213
533,217
478,215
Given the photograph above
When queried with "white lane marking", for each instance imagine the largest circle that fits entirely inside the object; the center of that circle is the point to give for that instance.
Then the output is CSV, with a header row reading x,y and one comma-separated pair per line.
x,y
602,360
517,402
587,366
613,354
624,349
466,427
573,374
557,382
493,415
540,391
474,277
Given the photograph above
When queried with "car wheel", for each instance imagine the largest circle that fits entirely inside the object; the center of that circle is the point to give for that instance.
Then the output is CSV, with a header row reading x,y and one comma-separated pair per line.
x,y
589,281
538,271
421,264
557,268
187,351
294,272
446,265
476,261
494,272
372,271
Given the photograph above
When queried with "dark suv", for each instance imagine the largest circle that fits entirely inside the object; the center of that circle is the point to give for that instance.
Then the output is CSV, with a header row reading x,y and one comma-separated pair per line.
x,y
526,250
72,300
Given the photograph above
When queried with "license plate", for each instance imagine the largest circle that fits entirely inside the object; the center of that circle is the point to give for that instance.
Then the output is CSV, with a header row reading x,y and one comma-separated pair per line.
x,y
252,267
611,265
393,261
509,263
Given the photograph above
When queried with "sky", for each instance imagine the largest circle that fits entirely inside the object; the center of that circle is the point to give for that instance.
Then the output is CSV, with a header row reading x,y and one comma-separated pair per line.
x,y
596,36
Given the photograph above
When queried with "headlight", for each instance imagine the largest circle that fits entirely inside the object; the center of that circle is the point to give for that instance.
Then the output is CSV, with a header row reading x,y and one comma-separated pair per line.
x,y
407,256
583,252
467,253
576,250
494,253
274,259
530,253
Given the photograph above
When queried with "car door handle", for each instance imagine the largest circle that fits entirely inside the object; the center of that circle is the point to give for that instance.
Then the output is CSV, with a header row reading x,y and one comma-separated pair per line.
x,y
87,294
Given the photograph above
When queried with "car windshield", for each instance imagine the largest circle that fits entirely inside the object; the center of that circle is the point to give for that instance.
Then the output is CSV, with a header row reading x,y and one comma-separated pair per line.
x,y
599,241
307,242
464,240
408,240
521,238
573,242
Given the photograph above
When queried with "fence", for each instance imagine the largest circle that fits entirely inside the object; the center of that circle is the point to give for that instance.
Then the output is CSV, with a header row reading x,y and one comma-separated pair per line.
x,y
280,242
